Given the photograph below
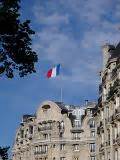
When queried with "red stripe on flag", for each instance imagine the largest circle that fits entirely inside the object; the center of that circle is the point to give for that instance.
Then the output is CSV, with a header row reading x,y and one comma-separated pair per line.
x,y
49,73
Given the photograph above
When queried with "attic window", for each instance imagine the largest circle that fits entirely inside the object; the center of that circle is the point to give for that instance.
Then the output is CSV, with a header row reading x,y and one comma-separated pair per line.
x,y
46,107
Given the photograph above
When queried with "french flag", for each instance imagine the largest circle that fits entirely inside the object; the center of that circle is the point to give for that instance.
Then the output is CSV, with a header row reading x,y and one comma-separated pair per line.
x,y
53,72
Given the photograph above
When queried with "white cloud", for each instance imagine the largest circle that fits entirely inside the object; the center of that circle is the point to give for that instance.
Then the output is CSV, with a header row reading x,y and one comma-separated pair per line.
x,y
49,19
80,56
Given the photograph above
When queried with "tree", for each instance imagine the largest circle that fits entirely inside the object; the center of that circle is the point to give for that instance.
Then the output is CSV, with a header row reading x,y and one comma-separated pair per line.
x,y
4,153
16,53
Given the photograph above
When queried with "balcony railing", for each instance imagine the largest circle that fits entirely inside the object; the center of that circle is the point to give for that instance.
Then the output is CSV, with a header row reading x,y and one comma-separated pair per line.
x,y
40,152
76,129
45,128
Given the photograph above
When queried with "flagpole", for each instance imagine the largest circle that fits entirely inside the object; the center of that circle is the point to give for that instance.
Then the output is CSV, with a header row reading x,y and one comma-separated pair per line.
x,y
61,95
61,89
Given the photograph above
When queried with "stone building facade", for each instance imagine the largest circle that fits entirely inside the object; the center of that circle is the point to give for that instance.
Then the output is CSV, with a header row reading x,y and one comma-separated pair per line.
x,y
51,134
107,115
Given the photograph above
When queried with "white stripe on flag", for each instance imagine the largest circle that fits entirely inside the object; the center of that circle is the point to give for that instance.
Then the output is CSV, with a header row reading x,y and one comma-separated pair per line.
x,y
54,72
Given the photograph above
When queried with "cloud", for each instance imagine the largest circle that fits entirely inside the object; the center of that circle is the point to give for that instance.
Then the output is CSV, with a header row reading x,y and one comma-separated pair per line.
x,y
73,32
49,18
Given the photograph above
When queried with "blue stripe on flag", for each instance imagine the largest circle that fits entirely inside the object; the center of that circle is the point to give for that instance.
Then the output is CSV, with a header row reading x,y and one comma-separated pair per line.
x,y
58,69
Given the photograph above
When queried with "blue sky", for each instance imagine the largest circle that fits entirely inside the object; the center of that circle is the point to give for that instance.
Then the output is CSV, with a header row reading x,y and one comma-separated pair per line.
x,y
69,32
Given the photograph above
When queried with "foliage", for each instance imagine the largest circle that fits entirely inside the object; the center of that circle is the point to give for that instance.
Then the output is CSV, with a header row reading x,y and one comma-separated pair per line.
x,y
15,41
4,152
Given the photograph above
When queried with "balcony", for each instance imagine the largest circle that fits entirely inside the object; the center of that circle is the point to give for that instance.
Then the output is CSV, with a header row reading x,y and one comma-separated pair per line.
x,y
40,152
76,129
44,128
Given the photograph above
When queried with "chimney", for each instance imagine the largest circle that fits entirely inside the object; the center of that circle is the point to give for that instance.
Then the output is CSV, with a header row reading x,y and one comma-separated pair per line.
x,y
86,102
108,51
106,55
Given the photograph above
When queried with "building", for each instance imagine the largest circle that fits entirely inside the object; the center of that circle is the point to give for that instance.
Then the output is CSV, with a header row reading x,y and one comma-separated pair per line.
x,y
52,134
77,111
107,115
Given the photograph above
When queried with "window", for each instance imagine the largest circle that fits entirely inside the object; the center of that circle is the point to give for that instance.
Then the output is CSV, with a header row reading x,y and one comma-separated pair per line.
x,y
103,157
76,158
53,145
108,132
92,147
62,158
62,146
22,133
46,148
36,149
40,148
92,158
77,123
107,112
61,134
91,112
92,133
115,132
116,154
92,123
31,129
76,147
45,136
76,135
102,115
102,138
108,156
117,101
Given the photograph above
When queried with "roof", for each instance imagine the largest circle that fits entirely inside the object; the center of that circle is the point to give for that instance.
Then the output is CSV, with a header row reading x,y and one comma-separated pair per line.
x,y
61,105
26,117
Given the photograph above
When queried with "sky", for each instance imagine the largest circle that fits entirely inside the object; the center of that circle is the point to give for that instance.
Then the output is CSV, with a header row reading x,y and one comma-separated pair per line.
x,y
69,32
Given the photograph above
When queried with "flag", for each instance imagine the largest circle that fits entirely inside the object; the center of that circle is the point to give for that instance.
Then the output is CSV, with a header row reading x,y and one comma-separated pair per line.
x,y
53,72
